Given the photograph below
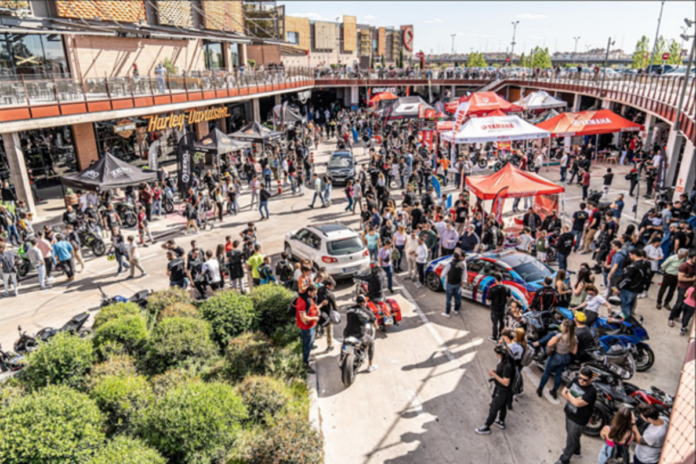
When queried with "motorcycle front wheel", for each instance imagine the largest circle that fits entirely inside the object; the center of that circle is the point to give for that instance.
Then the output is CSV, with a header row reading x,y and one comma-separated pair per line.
x,y
596,423
482,163
23,268
644,357
130,219
98,247
168,206
551,255
348,370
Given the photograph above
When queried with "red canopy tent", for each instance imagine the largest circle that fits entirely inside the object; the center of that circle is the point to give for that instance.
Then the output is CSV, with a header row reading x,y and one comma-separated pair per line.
x,y
493,113
382,96
484,102
588,123
511,182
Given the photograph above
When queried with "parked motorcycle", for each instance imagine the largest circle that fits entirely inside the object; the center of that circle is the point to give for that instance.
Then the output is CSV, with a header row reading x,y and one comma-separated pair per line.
x,y
27,343
387,311
481,159
88,237
140,298
167,201
10,361
353,355
127,213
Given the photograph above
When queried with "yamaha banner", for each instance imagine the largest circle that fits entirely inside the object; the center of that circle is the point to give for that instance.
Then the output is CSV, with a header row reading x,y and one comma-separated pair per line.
x,y
185,164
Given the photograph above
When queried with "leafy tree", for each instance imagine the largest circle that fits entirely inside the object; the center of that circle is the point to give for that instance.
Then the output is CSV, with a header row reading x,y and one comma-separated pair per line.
x,y
178,339
271,304
246,354
123,449
113,311
123,335
264,397
230,314
292,440
179,310
158,301
122,398
56,424
640,60
64,361
660,48
540,58
115,365
194,423
674,53
476,60
523,61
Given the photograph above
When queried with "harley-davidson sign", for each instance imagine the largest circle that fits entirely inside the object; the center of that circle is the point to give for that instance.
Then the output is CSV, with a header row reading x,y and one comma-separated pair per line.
x,y
158,122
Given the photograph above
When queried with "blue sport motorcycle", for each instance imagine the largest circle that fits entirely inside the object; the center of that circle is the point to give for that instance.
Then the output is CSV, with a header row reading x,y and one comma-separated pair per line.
x,y
625,332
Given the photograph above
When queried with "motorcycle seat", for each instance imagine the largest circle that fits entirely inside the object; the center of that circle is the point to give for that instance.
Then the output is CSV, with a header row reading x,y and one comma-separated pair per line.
x,y
622,397
352,340
80,317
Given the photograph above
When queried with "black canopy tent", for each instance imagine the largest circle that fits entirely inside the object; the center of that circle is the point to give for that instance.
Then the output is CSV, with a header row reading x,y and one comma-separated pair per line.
x,y
256,133
404,108
108,173
218,143
284,114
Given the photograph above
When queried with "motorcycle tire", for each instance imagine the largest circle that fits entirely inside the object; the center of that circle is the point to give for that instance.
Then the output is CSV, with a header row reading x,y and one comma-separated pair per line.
x,y
130,220
645,358
551,255
432,281
483,163
348,370
597,422
23,269
168,206
85,333
98,247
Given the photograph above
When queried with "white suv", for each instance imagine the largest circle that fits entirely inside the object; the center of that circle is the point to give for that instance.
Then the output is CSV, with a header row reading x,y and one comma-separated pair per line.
x,y
335,247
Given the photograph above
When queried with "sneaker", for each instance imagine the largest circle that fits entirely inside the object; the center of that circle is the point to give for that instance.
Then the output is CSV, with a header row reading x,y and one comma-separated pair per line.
x,y
643,295
499,424
540,392
446,314
577,455
682,331
129,277
659,306
554,394
372,368
457,313
491,339
670,323
144,274
419,285
483,430
5,294
310,370
668,307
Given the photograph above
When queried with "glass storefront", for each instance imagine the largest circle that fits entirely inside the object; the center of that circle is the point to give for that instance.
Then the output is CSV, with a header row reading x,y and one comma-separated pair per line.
x,y
33,55
212,52
48,153
234,54
129,140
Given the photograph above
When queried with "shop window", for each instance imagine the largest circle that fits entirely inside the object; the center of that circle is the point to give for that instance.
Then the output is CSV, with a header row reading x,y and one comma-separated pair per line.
x,y
130,141
234,54
38,55
212,52
292,37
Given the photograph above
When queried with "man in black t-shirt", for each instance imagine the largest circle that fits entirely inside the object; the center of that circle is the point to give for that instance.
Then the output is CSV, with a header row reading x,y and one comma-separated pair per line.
x,y
502,378
581,396
584,336
175,270
579,219
497,297
357,317
564,245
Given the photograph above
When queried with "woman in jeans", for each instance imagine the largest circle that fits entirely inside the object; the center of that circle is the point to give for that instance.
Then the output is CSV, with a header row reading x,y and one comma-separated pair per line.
x,y
617,436
566,345
349,195
156,199
400,239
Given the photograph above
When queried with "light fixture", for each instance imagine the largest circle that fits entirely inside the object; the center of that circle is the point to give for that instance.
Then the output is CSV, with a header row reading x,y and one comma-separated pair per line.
x,y
685,37
689,22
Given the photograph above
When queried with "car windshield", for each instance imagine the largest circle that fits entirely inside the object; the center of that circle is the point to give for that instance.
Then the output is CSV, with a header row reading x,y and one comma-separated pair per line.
x,y
339,162
532,271
344,246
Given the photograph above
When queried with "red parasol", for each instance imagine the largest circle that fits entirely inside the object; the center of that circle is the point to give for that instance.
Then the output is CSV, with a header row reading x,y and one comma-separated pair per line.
x,y
588,123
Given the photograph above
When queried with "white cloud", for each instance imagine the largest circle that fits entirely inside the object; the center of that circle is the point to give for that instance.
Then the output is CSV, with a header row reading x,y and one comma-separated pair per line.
x,y
531,16
369,18
433,21
312,16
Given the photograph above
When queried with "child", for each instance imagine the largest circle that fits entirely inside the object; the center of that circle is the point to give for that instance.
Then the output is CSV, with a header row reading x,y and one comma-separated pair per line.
x,y
542,246
608,177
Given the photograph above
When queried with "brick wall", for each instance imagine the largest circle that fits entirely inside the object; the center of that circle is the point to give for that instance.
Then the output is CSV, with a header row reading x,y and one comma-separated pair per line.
x,y
263,54
175,13
350,34
301,27
381,41
114,56
85,144
127,11
224,15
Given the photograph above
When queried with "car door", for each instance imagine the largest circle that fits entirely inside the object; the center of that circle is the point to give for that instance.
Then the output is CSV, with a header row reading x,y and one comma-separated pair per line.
x,y
484,280
312,243
298,244
473,268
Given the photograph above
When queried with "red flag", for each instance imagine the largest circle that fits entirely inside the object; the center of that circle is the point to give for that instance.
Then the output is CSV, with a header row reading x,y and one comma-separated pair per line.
x,y
408,91
498,202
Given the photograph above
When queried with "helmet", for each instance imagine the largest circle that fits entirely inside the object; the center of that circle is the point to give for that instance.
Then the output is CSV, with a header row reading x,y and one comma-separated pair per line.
x,y
360,299
110,257
374,267
580,316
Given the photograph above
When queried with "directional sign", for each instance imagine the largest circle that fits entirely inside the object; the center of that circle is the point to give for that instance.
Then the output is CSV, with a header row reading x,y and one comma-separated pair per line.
x,y
665,56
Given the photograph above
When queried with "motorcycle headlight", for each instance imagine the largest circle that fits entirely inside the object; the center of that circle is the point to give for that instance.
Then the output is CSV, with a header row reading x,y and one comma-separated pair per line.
x,y
620,371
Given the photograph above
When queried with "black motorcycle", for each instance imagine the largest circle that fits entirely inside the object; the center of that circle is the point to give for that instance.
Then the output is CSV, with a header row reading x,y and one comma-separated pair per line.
x,y
75,326
10,361
167,201
88,237
353,355
127,212
140,298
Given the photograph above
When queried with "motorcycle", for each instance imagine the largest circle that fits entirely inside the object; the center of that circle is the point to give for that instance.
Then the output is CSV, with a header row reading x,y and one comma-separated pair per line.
x,y
127,213
75,326
387,311
167,201
91,239
353,355
140,298
481,159
10,361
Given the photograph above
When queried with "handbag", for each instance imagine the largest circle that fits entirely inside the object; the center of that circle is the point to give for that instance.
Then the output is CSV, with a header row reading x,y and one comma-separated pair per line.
x,y
334,316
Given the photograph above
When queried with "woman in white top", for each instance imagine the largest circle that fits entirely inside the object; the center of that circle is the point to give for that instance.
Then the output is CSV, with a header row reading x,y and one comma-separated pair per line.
x,y
654,254
410,250
592,304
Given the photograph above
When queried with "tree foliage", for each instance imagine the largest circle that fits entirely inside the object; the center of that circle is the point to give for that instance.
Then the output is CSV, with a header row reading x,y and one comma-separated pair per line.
x,y
122,398
674,53
264,397
126,450
271,305
292,440
641,54
113,311
64,361
178,339
122,335
476,60
230,314
163,298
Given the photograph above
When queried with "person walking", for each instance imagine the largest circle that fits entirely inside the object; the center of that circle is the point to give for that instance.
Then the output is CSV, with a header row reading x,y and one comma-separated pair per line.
x,y
8,221
36,259
47,252
264,196
497,298
566,345
349,196
8,266
581,396
65,253
306,318
606,183
254,185
235,261
502,391
585,182
411,251
144,227
74,239
134,258
421,260
670,278
385,260
456,277
317,192
685,279
160,73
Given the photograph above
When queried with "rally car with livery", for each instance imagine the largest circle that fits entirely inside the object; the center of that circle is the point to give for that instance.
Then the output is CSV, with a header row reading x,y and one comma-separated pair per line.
x,y
522,274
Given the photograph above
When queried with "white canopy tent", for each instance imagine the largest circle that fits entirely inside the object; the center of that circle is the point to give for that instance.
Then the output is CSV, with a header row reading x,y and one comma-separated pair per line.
x,y
495,129
540,100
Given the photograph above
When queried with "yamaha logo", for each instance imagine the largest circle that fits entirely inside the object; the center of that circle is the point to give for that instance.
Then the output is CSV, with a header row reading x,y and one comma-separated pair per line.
x,y
485,100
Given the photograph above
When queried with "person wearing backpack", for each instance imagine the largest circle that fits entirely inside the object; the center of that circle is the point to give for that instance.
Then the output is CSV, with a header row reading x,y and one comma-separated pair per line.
x,y
497,298
546,298
326,302
266,272
617,437
284,270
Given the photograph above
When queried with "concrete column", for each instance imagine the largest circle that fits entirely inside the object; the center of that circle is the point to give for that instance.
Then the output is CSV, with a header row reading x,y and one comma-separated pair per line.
x,y
256,109
687,172
85,142
278,99
18,169
574,108
354,95
648,134
674,144
243,55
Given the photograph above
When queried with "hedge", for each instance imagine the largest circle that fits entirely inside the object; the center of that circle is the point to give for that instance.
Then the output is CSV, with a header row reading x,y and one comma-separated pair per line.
x,y
271,304
126,450
157,301
122,335
178,339
113,311
121,398
115,365
65,360
179,310
246,354
229,313
292,440
194,423
264,397
56,425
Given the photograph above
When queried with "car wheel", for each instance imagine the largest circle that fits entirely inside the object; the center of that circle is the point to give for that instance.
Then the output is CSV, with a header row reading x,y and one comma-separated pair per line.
x,y
288,250
432,280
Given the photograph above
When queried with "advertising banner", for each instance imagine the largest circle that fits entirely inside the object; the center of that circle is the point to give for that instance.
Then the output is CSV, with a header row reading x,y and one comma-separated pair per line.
x,y
185,157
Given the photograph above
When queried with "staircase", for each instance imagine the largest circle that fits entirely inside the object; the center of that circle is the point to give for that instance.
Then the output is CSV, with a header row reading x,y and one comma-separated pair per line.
x,y
492,85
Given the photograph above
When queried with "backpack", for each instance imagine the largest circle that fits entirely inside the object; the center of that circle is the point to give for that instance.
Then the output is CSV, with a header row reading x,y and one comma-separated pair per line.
x,y
284,271
527,357
292,308
544,295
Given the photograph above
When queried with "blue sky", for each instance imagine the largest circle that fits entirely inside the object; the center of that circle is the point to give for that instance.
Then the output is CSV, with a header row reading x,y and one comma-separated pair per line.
x,y
486,26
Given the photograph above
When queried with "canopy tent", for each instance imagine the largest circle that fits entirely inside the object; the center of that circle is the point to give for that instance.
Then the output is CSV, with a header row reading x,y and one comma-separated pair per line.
x,y
483,102
108,173
588,123
540,100
545,116
493,113
495,129
284,114
218,143
404,108
445,126
382,96
511,182
256,133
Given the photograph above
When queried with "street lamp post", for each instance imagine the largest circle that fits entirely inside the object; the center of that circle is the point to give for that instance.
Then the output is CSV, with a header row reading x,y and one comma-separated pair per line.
x,y
606,60
512,50
575,53
657,33
453,36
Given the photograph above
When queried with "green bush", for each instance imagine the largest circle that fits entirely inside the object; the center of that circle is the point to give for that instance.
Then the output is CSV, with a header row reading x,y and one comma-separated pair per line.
x,y
56,425
121,398
164,298
126,450
271,304
115,365
286,362
264,397
229,313
292,440
246,354
65,360
178,339
179,310
10,390
163,383
194,423
122,335
113,311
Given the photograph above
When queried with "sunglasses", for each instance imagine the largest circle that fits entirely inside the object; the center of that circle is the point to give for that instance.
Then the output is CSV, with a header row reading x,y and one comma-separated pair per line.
x,y
584,379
